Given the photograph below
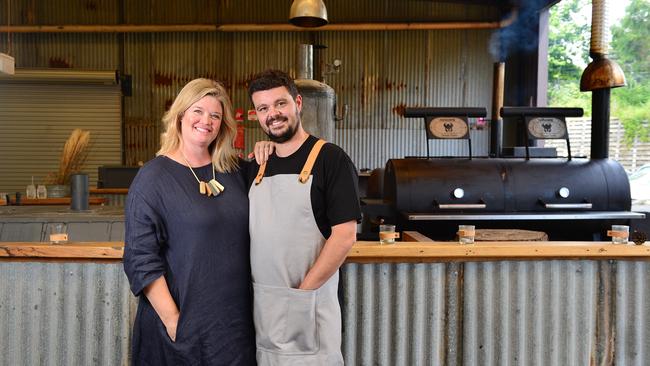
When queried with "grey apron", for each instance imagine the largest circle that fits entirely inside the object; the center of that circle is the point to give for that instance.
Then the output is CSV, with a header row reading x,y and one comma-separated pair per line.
x,y
293,327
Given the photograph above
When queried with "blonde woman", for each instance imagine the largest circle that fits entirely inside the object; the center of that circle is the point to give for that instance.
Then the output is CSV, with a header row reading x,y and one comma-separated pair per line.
x,y
187,243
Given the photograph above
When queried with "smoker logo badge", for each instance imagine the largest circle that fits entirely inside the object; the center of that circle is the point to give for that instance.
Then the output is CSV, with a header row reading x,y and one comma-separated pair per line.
x,y
547,128
448,128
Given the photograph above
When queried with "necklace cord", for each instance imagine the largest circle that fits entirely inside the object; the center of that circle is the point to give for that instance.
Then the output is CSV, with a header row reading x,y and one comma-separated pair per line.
x,y
192,170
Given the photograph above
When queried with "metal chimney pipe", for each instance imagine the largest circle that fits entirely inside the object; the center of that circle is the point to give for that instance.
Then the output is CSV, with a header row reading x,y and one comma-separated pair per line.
x,y
600,123
305,62
496,123
599,77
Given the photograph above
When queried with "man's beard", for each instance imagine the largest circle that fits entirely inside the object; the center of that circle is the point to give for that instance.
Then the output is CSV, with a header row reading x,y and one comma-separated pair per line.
x,y
286,135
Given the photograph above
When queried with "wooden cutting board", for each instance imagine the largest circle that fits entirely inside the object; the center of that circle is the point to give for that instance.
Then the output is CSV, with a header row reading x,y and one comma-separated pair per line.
x,y
509,235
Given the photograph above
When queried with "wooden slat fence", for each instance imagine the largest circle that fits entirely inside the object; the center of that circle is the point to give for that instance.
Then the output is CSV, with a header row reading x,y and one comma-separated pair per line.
x,y
631,156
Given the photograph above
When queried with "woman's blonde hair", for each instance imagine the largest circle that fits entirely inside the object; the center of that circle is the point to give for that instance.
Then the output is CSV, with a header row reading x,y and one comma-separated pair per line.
x,y
223,154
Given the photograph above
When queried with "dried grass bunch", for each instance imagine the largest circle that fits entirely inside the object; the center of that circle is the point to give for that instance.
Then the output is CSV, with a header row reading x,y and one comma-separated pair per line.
x,y
73,157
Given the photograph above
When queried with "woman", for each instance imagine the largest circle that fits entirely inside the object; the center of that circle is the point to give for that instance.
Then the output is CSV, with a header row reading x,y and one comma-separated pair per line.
x,y
187,243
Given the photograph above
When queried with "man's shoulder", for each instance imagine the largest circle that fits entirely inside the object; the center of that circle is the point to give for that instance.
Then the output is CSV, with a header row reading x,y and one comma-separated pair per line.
x,y
333,153
334,148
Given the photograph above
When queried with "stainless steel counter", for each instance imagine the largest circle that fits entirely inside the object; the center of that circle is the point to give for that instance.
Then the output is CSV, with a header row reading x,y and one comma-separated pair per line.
x,y
35,223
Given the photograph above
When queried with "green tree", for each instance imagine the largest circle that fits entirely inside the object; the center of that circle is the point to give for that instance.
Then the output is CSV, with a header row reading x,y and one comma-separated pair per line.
x,y
568,40
568,54
569,36
631,49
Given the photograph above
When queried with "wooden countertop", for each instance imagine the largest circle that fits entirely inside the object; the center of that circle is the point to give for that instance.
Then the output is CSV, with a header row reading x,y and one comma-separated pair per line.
x,y
92,251
418,252
123,191
368,252
65,201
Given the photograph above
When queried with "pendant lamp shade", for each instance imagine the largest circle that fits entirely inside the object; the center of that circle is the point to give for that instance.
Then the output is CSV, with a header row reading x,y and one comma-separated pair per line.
x,y
308,13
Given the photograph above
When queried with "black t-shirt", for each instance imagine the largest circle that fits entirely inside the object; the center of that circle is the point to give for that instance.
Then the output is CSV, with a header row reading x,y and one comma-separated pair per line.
x,y
334,189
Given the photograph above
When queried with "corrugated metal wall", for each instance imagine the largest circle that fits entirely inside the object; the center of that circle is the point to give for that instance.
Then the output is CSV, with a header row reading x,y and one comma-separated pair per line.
x,y
632,313
529,313
497,313
394,314
37,119
382,72
482,313
64,314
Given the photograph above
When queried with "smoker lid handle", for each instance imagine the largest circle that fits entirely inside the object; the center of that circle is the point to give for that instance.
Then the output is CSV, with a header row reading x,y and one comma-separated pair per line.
x,y
415,112
461,206
540,112
566,206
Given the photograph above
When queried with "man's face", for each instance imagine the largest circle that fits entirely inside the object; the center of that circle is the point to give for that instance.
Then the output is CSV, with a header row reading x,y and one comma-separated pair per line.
x,y
278,113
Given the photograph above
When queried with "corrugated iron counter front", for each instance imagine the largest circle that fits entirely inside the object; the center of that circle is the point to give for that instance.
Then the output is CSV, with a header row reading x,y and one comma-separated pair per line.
x,y
412,303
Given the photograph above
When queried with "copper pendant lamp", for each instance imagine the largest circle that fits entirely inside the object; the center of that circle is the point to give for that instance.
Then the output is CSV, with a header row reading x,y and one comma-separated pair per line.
x,y
308,13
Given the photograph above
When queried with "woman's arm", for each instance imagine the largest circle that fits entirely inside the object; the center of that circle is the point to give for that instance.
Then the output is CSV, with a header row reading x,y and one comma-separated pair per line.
x,y
161,299
143,263
262,151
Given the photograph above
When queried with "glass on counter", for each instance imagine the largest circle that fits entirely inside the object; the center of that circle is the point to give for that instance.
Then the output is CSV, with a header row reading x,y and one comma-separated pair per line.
x,y
387,234
58,234
466,234
620,234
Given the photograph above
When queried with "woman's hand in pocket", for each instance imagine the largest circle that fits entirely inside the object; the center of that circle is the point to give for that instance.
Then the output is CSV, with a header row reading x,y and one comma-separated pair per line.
x,y
170,325
158,295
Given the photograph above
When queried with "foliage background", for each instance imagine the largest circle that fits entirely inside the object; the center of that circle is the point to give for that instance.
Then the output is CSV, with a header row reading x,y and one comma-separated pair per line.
x,y
630,47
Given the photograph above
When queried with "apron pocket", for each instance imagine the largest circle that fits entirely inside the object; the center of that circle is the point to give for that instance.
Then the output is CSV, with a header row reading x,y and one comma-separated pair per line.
x,y
285,320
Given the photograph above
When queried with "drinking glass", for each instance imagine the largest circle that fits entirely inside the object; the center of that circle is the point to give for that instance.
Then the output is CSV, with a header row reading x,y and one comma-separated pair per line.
x,y
41,192
466,234
387,234
58,233
619,234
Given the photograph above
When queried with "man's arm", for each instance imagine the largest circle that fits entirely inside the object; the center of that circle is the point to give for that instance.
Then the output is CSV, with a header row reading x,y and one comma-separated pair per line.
x,y
332,256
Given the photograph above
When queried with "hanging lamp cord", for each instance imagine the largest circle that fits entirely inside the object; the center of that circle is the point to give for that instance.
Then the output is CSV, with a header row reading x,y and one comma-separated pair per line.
x,y
9,48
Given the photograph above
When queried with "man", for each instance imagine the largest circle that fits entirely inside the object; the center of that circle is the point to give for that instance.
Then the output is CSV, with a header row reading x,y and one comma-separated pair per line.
x,y
303,211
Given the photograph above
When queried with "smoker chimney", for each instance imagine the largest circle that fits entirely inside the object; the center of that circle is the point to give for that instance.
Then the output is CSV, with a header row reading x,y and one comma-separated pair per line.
x,y
496,123
305,61
318,99
600,76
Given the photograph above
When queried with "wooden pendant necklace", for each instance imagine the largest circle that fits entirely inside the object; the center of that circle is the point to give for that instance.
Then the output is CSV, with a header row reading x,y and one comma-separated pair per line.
x,y
211,188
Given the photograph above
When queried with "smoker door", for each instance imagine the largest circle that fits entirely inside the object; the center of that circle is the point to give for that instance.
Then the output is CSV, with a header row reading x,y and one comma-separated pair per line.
x,y
444,186
555,185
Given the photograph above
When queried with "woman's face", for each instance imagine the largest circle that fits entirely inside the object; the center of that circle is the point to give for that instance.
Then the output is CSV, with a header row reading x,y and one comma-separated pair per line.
x,y
201,122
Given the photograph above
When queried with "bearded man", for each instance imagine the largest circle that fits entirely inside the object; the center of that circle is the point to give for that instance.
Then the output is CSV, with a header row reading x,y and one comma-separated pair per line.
x,y
304,207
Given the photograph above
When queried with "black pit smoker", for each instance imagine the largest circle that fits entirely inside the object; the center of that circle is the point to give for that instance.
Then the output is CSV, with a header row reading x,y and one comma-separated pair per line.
x,y
567,198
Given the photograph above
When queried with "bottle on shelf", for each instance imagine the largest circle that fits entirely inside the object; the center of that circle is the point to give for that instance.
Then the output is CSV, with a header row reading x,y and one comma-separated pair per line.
x,y
31,190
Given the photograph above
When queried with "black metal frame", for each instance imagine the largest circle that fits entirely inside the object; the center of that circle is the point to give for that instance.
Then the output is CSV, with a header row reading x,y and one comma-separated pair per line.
x,y
560,113
427,113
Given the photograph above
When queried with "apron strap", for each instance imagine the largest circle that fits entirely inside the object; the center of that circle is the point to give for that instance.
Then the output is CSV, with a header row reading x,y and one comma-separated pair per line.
x,y
306,170
311,159
260,174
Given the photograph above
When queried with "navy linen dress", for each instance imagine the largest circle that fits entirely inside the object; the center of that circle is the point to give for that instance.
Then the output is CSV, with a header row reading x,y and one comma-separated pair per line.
x,y
201,245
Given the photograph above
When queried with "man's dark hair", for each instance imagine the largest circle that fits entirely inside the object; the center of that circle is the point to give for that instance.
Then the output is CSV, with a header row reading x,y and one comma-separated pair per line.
x,y
270,79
